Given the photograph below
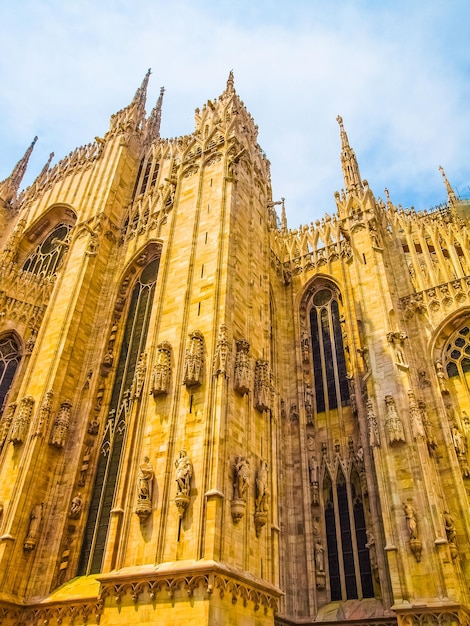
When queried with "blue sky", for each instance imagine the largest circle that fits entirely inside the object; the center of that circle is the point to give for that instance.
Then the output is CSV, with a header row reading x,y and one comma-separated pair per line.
x,y
396,70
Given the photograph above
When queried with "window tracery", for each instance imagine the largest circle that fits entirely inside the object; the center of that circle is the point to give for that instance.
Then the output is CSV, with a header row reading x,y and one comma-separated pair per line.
x,y
46,258
10,356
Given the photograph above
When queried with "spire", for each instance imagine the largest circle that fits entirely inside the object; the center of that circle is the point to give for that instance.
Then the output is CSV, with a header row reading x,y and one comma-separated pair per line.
x,y
451,196
9,187
131,117
141,93
154,119
46,167
352,177
230,83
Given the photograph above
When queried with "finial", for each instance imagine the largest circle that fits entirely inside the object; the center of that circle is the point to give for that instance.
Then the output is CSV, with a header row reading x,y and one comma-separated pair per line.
x,y
9,187
154,119
351,174
230,83
46,167
283,215
451,196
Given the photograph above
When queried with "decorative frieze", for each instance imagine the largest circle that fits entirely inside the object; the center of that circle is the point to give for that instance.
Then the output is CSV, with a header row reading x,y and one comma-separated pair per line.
x,y
22,420
61,425
243,375
161,373
194,360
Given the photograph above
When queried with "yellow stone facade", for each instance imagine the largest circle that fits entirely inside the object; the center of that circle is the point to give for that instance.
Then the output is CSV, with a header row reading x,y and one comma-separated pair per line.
x,y
209,418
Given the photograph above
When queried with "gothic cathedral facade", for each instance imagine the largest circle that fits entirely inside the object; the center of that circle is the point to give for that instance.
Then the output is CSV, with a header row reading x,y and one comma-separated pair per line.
x,y
209,418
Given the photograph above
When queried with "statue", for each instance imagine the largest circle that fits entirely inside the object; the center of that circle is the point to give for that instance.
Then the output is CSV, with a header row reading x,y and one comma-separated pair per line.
x,y
451,532
411,522
441,377
319,556
262,497
144,489
241,482
184,471
76,506
35,519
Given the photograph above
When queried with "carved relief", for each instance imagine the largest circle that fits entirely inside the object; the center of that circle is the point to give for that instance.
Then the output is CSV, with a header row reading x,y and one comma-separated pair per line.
x,y
85,463
305,346
460,447
76,506
372,426
396,339
221,352
314,479
428,429
61,425
161,374
44,414
184,472
417,427
144,489
139,376
394,425
412,528
20,428
194,361
451,534
6,421
441,377
308,403
263,387
243,377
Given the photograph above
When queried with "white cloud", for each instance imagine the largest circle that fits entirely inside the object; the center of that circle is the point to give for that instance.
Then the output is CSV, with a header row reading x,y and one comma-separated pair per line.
x,y
398,74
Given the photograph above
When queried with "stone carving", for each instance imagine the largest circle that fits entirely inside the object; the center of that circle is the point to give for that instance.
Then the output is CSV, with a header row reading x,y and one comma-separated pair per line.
x,y
412,527
313,474
308,403
22,420
241,483
370,545
262,399
184,471
262,497
417,427
373,429
243,378
352,394
305,346
441,377
423,379
65,556
144,489
221,352
139,376
396,434
428,429
35,520
194,361
319,556
85,463
76,506
6,421
61,425
161,374
451,534
294,413
460,447
396,339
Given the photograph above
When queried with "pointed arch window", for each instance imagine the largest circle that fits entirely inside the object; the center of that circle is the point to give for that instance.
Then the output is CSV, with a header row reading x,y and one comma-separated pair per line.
x,y
348,557
329,365
10,356
457,353
112,445
46,258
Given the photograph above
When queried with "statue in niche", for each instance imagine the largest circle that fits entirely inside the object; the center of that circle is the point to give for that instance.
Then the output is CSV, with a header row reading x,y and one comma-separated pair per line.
x,y
411,522
139,376
221,351
451,532
262,491
184,471
144,489
458,441
441,377
308,401
76,506
305,346
61,425
85,463
313,472
241,472
319,556
35,519
394,424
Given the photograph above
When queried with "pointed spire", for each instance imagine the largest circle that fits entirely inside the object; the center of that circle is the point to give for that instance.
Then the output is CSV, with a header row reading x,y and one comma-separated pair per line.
x,y
230,83
131,117
154,119
451,196
46,167
141,93
351,174
9,187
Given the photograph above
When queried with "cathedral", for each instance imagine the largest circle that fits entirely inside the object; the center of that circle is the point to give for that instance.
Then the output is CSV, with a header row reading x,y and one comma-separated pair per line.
x,y
209,418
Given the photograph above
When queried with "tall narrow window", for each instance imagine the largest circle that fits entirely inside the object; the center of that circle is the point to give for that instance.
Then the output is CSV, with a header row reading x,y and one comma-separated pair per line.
x,y
329,365
10,356
46,258
112,445
346,539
